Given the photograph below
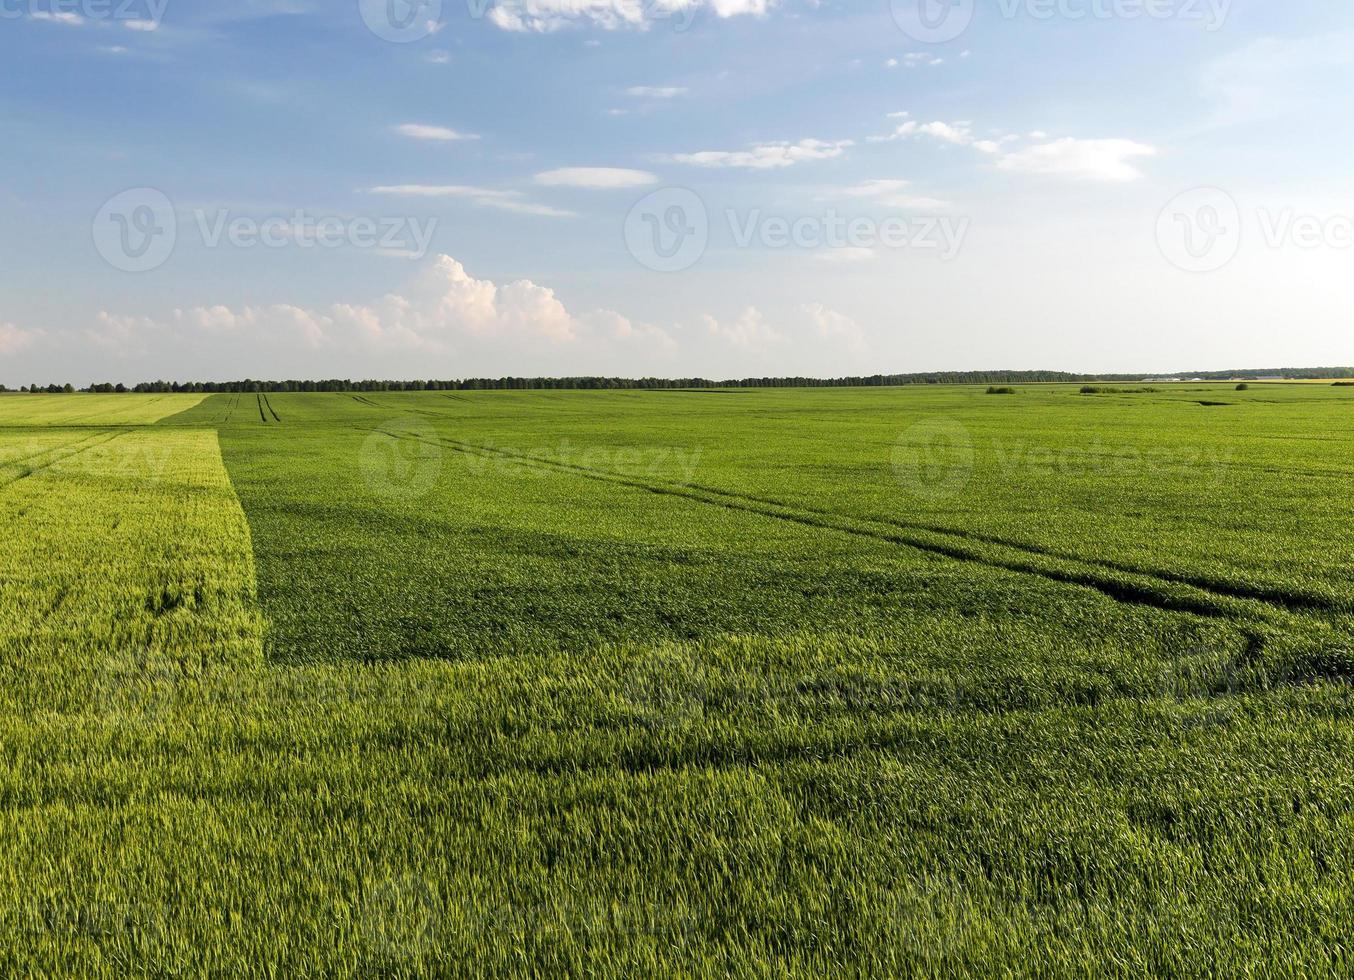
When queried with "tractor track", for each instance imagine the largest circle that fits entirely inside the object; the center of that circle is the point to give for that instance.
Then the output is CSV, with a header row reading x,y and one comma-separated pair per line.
x,y
1123,583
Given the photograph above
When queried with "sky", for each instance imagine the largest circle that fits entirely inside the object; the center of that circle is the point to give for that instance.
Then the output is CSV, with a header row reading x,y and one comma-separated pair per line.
x,y
212,190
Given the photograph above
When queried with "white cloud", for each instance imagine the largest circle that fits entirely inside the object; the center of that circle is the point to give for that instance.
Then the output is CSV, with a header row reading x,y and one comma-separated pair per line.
x,y
438,58
1104,160
596,178
960,134
513,201
749,332
920,58
419,131
1082,159
835,327
58,17
444,309
141,25
544,16
13,340
763,156
656,91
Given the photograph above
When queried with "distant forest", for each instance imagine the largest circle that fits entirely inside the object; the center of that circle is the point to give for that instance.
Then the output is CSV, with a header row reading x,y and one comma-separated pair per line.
x,y
603,384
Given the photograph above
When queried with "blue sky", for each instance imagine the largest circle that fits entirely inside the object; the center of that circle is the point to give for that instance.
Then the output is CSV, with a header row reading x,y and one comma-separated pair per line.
x,y
1090,185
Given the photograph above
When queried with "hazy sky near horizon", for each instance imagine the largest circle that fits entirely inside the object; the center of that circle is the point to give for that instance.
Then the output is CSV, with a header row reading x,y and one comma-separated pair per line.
x,y
374,188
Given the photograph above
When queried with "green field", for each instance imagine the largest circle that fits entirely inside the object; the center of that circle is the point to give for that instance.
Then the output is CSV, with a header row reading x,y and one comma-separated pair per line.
x,y
899,682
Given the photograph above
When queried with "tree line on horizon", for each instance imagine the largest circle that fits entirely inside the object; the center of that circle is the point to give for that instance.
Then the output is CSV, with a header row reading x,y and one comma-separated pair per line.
x,y
602,384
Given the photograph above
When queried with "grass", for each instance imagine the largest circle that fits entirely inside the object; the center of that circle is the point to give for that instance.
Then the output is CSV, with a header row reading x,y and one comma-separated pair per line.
x,y
893,682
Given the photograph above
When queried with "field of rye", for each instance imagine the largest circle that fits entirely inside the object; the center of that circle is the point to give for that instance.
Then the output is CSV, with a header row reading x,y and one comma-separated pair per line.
x,y
910,682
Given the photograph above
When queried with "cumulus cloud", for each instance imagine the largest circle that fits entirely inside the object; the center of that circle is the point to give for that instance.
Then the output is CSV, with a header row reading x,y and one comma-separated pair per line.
x,y
596,178
486,197
13,340
544,16
837,328
444,309
765,156
749,331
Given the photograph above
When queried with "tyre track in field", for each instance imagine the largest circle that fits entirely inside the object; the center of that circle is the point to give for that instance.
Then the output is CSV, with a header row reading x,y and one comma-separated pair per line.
x,y
60,459
1133,588
271,411
1289,599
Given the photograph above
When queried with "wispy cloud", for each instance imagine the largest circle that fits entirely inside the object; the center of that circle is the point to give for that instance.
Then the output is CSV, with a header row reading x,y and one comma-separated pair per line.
x,y
1106,160
766,156
66,17
420,131
547,16
596,178
656,91
513,201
